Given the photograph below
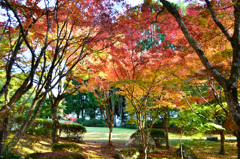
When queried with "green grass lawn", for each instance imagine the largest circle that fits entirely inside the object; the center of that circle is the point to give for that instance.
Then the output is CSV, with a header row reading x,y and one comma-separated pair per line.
x,y
123,134
96,140
202,147
102,133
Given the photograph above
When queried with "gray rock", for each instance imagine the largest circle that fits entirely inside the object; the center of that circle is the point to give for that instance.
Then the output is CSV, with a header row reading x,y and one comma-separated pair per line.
x,y
135,141
126,153
187,152
212,138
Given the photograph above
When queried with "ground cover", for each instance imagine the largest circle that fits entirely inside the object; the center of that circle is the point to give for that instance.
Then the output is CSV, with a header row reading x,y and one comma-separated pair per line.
x,y
96,139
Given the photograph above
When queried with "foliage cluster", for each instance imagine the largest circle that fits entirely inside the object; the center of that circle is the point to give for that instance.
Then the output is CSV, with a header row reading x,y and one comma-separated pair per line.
x,y
93,122
11,156
55,155
158,136
72,129
66,147
44,127
129,125
157,133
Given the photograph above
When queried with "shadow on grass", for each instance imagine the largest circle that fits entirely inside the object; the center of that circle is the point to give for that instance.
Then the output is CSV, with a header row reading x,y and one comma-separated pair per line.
x,y
208,149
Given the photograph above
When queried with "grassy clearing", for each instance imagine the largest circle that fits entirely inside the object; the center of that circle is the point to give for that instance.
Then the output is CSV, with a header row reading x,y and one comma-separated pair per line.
x,y
101,134
96,139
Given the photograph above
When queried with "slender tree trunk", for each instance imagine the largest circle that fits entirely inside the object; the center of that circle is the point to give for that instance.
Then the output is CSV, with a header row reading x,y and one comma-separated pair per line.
x,y
120,109
23,128
222,150
28,122
56,125
114,121
83,114
4,130
145,142
181,147
145,153
166,130
3,135
110,136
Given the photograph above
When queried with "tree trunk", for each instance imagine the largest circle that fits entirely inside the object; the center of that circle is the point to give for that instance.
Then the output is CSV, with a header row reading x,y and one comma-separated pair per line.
x,y
3,135
120,109
166,130
145,137
233,105
36,113
114,121
4,130
23,128
181,143
145,153
110,136
237,134
55,128
222,150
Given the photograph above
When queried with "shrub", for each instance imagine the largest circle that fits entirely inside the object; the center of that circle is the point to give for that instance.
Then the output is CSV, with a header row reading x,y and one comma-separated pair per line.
x,y
130,126
95,123
158,136
11,156
66,147
17,122
80,120
55,155
44,127
158,123
73,129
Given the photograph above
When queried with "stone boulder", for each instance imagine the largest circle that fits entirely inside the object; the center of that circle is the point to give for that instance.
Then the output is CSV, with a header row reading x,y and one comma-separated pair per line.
x,y
126,153
212,138
135,141
187,152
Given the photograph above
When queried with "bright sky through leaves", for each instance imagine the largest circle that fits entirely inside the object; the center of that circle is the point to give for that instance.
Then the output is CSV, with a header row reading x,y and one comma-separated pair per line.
x,y
137,2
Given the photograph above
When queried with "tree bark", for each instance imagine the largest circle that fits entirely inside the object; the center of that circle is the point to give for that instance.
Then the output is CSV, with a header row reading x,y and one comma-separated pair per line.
x,y
56,125
120,110
166,130
222,150
237,134
110,136
23,128
114,121
4,130
3,135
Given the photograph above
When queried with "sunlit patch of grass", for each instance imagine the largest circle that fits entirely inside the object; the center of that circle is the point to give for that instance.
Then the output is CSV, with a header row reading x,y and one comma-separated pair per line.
x,y
96,145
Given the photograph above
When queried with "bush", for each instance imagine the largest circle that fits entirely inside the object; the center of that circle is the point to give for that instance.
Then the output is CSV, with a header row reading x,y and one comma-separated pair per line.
x,y
55,155
43,127
73,129
95,123
158,123
80,120
158,136
17,122
11,156
66,147
129,126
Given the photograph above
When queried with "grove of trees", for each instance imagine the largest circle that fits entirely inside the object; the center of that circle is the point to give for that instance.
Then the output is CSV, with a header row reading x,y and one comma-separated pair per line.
x,y
106,55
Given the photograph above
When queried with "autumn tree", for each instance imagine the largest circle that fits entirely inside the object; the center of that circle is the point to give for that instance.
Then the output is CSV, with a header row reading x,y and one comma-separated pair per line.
x,y
207,101
106,99
142,81
215,11
69,32
64,89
